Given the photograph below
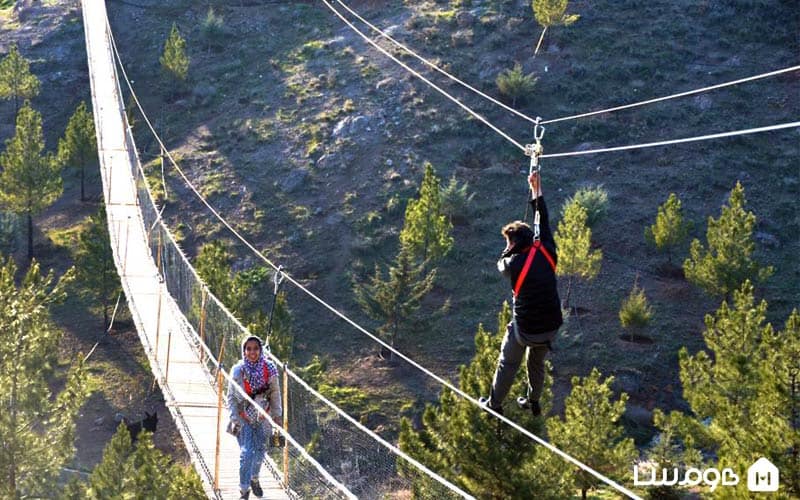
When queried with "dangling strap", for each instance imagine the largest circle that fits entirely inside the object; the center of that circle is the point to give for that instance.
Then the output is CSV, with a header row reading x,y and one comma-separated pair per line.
x,y
531,254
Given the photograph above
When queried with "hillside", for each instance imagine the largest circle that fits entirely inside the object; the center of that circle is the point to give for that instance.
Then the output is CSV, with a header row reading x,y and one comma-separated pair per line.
x,y
311,143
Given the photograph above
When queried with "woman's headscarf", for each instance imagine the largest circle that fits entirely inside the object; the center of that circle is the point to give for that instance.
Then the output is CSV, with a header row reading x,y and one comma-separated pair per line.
x,y
254,370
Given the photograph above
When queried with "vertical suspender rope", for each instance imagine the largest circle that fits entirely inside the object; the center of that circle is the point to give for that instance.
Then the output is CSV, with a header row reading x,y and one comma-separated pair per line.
x,y
277,279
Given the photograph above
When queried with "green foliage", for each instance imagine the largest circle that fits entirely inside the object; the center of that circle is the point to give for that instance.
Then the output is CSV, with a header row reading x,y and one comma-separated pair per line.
x,y
212,28
635,313
459,441
174,60
213,264
593,199
79,144
94,263
722,266
37,429
139,472
456,201
352,399
16,80
515,84
576,259
590,432
396,299
243,294
552,13
426,233
669,231
30,181
743,391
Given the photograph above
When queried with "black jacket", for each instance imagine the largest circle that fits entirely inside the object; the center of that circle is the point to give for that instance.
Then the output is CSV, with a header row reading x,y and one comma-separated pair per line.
x,y
537,308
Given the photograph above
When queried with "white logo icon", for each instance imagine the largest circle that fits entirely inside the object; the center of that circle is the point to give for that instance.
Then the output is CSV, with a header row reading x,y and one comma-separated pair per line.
x,y
763,476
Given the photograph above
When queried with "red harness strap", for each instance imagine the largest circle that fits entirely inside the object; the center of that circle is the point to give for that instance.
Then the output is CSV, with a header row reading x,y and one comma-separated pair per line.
x,y
537,245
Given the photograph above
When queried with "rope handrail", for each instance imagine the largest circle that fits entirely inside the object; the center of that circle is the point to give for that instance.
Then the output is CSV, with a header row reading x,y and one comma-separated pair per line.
x,y
733,133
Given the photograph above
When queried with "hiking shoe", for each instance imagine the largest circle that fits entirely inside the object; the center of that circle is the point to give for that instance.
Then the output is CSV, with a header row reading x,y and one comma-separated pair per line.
x,y
245,495
527,404
484,402
257,491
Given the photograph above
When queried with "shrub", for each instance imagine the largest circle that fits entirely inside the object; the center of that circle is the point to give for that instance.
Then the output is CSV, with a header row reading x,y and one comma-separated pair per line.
x,y
513,83
456,200
593,199
635,312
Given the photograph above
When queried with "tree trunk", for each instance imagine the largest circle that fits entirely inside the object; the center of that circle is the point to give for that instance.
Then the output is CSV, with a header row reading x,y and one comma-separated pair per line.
x,y
83,196
565,302
583,494
30,236
539,44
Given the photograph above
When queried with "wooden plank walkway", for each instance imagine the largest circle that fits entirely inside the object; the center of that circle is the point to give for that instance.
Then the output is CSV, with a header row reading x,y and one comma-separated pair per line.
x,y
191,398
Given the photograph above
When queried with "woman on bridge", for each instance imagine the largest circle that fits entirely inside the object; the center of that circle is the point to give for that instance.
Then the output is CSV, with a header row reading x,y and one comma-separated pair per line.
x,y
258,376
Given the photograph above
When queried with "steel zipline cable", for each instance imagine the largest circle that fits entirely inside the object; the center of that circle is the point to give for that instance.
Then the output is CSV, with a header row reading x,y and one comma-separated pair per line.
x,y
434,66
564,118
355,325
720,135
421,77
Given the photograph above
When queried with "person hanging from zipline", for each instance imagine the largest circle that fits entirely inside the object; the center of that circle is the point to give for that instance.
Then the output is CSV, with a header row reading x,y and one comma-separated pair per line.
x,y
529,261
258,376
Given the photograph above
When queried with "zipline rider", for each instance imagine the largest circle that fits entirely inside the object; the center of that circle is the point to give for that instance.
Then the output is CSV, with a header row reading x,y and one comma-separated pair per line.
x,y
529,261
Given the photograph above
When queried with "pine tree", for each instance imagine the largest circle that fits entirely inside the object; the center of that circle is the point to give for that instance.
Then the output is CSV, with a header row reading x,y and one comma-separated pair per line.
x,y
16,80
635,313
212,29
741,391
426,233
29,181
590,430
551,13
106,480
669,230
242,293
396,299
456,201
139,472
214,267
79,145
94,263
727,262
174,61
460,441
515,84
576,259
593,199
37,430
